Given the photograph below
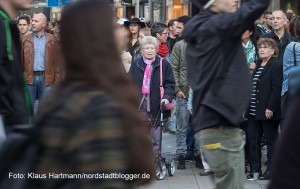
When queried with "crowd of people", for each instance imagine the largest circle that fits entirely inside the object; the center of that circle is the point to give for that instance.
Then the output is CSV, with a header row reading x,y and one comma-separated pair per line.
x,y
231,76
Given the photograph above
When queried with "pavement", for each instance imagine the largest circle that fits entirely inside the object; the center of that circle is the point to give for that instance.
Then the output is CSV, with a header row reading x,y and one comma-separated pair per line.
x,y
190,178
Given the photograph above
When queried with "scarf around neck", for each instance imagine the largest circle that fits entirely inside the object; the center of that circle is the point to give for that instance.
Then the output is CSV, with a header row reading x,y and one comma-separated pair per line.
x,y
147,75
163,50
249,51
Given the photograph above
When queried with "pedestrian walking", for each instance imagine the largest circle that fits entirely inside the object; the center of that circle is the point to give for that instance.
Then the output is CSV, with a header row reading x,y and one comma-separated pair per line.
x,y
286,156
146,73
134,25
178,63
24,25
264,110
89,131
40,59
279,33
291,59
13,107
218,74
160,32
250,49
265,27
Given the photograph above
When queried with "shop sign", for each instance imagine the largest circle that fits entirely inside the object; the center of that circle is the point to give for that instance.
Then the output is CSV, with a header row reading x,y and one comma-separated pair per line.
x,y
127,3
53,3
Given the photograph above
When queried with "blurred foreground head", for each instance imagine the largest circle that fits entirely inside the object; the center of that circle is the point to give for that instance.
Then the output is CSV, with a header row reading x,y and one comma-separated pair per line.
x,y
89,45
91,55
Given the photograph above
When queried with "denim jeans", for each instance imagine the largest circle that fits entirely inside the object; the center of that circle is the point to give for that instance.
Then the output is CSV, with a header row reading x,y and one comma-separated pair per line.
x,y
190,142
253,135
223,150
171,123
38,90
182,119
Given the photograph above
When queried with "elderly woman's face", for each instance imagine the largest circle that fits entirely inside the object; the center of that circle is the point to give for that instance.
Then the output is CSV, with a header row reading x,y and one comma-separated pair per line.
x,y
149,51
265,51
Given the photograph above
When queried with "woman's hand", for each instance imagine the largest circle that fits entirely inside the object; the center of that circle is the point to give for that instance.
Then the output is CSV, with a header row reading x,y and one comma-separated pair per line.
x,y
269,114
166,101
252,66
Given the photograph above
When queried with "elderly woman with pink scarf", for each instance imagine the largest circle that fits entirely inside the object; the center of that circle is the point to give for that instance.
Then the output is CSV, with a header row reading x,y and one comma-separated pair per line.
x,y
146,73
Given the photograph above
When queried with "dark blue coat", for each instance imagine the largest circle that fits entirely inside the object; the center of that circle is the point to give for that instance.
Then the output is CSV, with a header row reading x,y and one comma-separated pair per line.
x,y
137,71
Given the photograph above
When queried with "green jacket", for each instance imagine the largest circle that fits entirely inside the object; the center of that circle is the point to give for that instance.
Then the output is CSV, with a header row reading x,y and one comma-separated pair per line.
x,y
178,63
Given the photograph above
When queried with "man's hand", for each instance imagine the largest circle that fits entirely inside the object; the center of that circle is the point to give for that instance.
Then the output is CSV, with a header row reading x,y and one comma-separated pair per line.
x,y
269,114
180,94
191,111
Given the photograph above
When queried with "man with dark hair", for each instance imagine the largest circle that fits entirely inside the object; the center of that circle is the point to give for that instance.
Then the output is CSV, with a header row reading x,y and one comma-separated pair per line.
x,y
160,31
265,27
279,34
24,25
178,62
13,108
180,23
219,77
172,38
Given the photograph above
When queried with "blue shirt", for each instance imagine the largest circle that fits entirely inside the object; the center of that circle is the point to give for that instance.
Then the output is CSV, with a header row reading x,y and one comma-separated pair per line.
x,y
39,52
288,63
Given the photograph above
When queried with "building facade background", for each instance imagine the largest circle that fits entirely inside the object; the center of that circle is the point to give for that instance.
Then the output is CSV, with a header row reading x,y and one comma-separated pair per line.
x,y
165,10
152,10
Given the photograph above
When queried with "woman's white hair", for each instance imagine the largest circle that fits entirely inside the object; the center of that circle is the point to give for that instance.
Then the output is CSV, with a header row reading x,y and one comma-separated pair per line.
x,y
149,40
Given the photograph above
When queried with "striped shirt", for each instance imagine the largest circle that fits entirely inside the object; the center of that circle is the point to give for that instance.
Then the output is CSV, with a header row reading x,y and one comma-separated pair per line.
x,y
253,100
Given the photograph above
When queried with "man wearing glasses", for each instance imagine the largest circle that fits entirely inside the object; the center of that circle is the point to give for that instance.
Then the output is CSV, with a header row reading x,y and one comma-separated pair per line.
x,y
265,27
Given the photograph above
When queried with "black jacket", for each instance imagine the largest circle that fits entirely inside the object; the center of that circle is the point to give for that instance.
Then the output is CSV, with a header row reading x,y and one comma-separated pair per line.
x,y
268,90
12,98
137,71
286,39
217,68
286,156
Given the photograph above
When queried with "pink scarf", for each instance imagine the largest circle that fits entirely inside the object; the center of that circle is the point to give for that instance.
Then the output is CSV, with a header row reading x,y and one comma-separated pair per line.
x,y
147,76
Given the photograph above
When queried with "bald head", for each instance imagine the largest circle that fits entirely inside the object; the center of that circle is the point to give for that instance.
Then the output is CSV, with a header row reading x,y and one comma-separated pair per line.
x,y
39,22
41,17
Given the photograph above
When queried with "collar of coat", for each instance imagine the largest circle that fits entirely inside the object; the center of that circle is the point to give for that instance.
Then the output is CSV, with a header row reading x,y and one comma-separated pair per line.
x,y
29,38
142,65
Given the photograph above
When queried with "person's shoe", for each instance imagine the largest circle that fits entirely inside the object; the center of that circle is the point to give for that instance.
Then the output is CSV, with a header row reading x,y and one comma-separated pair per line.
x,y
205,172
253,174
199,163
181,162
250,176
265,176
